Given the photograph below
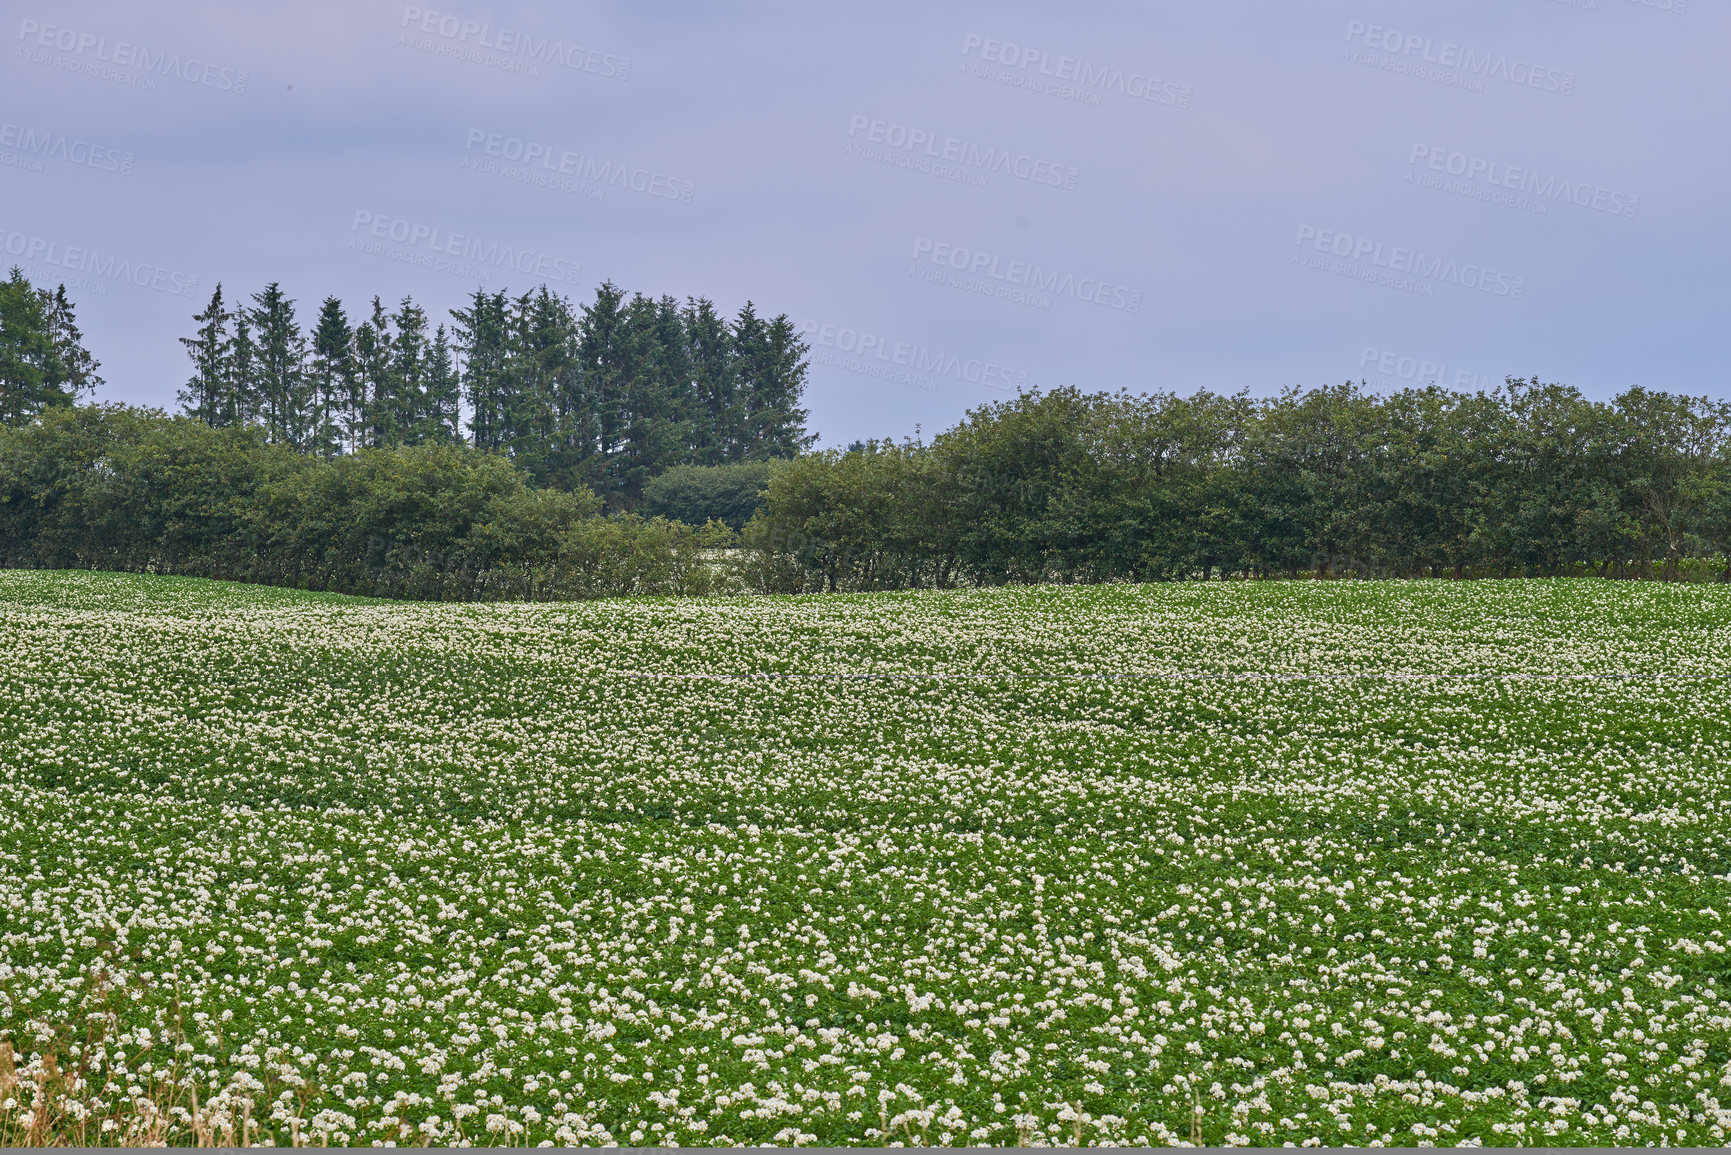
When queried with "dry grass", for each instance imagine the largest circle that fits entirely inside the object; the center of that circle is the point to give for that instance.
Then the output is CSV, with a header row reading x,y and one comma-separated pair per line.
x,y
49,1102
53,1097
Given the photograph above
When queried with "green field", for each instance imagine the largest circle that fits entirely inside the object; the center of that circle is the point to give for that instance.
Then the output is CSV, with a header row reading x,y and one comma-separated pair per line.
x,y
1451,865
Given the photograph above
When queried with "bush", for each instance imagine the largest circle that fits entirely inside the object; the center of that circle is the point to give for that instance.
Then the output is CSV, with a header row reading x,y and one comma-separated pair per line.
x,y
867,519
120,488
132,490
698,494
1064,486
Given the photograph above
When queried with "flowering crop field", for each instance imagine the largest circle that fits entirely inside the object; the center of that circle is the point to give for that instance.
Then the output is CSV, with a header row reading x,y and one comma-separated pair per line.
x,y
1357,863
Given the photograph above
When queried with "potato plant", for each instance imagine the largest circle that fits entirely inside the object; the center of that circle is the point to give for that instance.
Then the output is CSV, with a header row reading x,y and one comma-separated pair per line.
x,y
1350,863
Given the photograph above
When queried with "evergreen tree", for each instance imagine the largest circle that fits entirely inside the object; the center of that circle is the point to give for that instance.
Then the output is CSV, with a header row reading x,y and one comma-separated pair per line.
x,y
482,338
333,379
659,379
281,385
439,417
677,398
408,373
378,390
771,368
240,398
717,418
208,393
550,432
43,361
606,358
28,359
75,371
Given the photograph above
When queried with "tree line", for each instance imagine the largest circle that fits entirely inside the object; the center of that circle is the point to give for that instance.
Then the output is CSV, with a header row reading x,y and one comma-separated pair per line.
x,y
1062,486
335,459
601,396
1066,486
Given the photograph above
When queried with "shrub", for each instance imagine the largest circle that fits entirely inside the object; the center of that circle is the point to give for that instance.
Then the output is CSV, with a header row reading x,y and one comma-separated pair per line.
x,y
132,490
698,494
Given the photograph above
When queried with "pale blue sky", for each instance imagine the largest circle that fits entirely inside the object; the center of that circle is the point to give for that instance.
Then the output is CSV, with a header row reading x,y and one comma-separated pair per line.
x,y
956,198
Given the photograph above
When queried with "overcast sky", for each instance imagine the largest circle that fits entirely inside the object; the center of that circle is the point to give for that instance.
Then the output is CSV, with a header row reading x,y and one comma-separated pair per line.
x,y
956,200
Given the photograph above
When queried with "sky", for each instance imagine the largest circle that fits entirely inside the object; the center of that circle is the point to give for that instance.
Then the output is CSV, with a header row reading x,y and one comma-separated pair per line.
x,y
954,202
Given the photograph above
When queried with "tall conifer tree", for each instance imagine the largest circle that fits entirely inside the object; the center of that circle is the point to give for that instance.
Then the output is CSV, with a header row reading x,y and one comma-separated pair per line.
x,y
605,354
772,367
281,386
27,354
439,417
408,373
333,377
718,417
770,363
659,378
549,435
240,400
482,338
378,389
207,394
75,368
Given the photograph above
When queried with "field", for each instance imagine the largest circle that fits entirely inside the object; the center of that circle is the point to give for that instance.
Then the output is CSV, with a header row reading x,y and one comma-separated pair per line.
x,y
1451,866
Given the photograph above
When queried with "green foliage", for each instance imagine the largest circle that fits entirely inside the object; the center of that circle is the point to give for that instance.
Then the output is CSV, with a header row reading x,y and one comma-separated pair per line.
x,y
120,488
208,396
632,403
277,396
331,373
866,519
696,494
1065,486
604,397
43,361
125,489
1331,864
